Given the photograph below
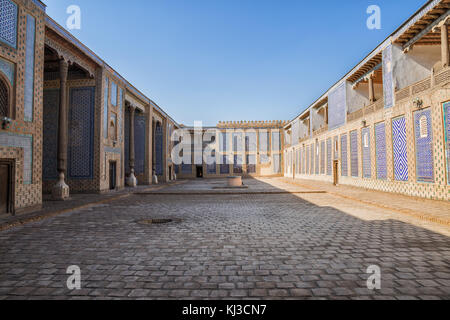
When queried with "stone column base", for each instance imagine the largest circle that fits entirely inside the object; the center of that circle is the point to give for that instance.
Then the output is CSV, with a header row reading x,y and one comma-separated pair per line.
x,y
131,180
61,190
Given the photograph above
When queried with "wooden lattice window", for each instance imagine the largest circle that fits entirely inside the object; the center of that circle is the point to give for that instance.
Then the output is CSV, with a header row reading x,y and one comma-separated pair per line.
x,y
4,98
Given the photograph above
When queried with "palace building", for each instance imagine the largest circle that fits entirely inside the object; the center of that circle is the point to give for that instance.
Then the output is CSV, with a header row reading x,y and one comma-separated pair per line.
x,y
386,124
69,123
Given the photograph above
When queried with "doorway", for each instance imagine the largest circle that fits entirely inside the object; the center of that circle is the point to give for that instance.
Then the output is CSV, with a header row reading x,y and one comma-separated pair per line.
x,y
112,175
199,171
6,187
336,172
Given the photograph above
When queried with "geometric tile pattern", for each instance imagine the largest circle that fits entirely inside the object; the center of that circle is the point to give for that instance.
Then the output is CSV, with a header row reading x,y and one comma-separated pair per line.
x,y
329,159
344,156
307,160
24,142
139,142
322,157
8,22
447,137
8,69
388,81
113,93
424,145
105,109
81,133
316,155
367,165
50,132
337,106
276,163
380,145
120,114
354,153
312,155
159,140
399,146
237,164
29,68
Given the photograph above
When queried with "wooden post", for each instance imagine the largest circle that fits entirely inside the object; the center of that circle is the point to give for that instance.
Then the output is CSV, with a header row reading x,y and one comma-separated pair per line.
x,y
444,46
61,189
131,181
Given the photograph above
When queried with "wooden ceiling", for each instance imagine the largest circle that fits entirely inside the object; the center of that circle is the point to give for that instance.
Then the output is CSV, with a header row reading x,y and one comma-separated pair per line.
x,y
422,26
368,66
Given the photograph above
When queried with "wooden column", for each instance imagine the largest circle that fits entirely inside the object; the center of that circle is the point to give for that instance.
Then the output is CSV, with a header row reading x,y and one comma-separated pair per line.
x,y
61,189
444,46
131,181
371,89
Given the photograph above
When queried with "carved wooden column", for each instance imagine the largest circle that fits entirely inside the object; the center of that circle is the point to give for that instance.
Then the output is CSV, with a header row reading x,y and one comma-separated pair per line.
x,y
444,46
61,189
371,89
131,180
154,176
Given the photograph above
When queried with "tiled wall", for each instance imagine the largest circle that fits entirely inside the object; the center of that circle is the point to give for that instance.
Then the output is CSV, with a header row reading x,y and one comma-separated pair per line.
x,y
404,151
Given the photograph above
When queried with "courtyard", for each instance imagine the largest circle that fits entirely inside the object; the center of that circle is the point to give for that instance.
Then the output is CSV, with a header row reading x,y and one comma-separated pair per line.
x,y
273,240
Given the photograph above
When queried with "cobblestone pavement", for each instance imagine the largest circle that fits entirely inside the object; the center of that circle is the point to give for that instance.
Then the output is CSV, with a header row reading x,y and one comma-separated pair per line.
x,y
234,246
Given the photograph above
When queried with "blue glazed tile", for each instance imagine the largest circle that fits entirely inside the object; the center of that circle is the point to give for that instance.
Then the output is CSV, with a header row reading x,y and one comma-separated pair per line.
x,y
50,134
8,22
29,69
380,147
354,153
400,149
424,145
344,156
367,164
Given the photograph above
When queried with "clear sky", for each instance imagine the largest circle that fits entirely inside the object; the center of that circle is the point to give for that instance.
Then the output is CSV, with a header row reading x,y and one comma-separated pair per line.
x,y
214,60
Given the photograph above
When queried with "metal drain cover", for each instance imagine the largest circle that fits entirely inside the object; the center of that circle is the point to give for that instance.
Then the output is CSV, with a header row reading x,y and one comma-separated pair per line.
x,y
155,221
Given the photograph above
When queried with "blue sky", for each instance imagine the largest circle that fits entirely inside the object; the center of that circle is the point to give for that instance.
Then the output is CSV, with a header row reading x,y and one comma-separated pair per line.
x,y
213,60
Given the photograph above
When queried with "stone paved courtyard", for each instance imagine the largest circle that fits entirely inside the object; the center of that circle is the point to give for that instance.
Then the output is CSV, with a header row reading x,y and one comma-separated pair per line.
x,y
262,243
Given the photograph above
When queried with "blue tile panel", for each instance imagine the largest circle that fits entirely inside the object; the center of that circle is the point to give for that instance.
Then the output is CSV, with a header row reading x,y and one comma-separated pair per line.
x,y
114,93
312,153
367,164
106,109
276,163
336,150
337,106
29,68
400,149
211,168
447,137
159,141
316,155
81,133
264,147
329,160
224,167
344,156
24,142
250,142
322,157
380,149
276,141
120,114
177,169
186,168
8,69
50,135
237,164
307,160
388,81
354,159
8,22
139,142
424,145
251,163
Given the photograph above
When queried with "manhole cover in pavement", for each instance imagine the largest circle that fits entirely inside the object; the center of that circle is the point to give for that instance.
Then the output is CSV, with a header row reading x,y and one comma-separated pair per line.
x,y
155,221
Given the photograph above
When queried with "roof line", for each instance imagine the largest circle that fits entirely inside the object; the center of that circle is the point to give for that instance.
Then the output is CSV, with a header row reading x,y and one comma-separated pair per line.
x,y
428,6
77,43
